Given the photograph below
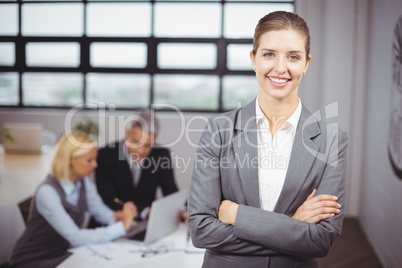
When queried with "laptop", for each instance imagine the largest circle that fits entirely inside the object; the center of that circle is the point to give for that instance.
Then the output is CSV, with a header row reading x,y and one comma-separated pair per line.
x,y
23,138
164,218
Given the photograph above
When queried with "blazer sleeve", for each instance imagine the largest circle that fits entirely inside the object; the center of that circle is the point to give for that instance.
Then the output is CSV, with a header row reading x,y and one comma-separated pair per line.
x,y
286,235
207,231
167,181
105,183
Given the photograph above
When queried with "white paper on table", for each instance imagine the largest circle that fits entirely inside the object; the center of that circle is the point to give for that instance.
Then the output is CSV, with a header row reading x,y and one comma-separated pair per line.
x,y
125,251
109,254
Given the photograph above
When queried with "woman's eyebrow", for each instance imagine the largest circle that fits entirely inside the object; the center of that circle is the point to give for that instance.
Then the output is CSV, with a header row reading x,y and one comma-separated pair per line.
x,y
296,51
273,50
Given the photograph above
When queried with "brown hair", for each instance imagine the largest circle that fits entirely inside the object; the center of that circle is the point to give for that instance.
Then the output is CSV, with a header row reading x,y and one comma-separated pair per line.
x,y
281,20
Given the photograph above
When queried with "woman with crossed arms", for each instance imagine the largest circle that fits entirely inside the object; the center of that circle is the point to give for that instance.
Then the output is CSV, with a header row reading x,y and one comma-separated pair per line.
x,y
59,206
269,178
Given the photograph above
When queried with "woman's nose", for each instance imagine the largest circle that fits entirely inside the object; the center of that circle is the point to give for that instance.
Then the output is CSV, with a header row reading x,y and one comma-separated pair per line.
x,y
280,65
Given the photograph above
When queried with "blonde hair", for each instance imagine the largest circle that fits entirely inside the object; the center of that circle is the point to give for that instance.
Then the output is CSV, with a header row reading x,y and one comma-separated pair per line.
x,y
69,146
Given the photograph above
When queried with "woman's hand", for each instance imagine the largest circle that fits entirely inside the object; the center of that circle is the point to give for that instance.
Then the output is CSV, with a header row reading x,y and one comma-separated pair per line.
x,y
129,213
228,212
118,215
317,208
184,216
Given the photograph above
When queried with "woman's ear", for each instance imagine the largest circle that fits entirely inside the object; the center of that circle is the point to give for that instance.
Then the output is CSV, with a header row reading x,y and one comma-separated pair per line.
x,y
252,57
307,63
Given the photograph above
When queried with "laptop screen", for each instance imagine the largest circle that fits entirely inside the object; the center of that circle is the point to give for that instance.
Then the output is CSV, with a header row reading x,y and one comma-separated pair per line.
x,y
22,137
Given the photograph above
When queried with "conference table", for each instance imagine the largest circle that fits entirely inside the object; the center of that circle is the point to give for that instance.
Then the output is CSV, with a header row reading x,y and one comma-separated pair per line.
x,y
180,256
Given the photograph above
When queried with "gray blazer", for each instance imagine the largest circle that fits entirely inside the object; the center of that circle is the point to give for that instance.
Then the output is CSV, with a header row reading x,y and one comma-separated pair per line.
x,y
226,168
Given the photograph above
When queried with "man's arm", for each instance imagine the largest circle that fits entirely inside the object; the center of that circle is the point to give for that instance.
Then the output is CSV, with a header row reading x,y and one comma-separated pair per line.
x,y
105,184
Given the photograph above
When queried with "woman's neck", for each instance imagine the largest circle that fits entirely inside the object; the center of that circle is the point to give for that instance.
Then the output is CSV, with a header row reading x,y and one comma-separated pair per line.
x,y
74,177
277,111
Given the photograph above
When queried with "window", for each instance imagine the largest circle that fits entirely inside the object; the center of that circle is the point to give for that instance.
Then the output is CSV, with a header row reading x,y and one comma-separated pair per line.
x,y
127,55
8,19
52,54
187,56
185,91
130,53
52,89
7,54
52,19
119,19
188,20
122,90
9,88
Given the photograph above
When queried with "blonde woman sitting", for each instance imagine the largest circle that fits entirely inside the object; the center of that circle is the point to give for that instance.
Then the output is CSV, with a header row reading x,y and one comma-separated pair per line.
x,y
59,206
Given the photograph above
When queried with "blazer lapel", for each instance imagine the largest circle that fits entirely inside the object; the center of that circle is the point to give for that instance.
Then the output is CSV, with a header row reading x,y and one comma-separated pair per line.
x,y
246,153
303,154
124,171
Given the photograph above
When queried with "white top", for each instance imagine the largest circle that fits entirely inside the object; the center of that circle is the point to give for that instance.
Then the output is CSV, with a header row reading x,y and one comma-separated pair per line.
x,y
274,155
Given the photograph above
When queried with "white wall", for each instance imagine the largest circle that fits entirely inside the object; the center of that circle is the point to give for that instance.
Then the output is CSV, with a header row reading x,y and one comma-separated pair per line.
x,y
338,47
381,190
353,40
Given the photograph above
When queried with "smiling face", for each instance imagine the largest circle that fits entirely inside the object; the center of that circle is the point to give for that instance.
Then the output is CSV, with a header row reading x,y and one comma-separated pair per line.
x,y
280,61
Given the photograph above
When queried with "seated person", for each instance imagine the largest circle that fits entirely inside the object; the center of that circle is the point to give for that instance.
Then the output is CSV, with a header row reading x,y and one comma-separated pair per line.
x,y
60,203
132,169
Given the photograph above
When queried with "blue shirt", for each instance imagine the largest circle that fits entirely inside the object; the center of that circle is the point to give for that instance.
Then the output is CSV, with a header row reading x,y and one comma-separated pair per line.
x,y
49,205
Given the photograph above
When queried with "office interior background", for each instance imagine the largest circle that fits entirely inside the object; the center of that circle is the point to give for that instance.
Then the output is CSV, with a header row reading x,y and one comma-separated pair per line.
x,y
188,60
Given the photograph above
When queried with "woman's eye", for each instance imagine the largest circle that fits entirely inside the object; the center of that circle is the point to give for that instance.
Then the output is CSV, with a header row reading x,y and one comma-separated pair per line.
x,y
268,55
293,57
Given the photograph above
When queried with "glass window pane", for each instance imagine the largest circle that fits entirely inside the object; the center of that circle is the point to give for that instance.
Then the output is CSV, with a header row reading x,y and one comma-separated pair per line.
x,y
234,27
187,91
119,0
187,56
7,54
119,19
238,91
8,19
260,1
51,0
123,55
53,19
186,0
238,57
53,54
52,89
9,88
187,20
122,90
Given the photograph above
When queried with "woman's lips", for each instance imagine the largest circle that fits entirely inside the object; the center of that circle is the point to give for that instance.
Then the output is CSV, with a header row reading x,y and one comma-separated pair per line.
x,y
278,81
